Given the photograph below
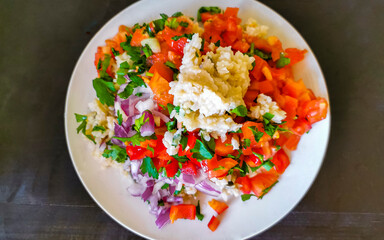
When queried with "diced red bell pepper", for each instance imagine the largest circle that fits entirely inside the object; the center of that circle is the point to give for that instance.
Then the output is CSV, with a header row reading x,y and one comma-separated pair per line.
x,y
220,168
171,167
301,126
189,168
224,148
213,223
182,211
218,206
137,152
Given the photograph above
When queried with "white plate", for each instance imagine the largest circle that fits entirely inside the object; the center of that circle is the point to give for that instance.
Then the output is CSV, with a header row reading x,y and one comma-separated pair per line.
x,y
243,219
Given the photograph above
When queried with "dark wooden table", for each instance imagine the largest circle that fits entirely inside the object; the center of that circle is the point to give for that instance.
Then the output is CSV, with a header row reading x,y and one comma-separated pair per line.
x,y
41,196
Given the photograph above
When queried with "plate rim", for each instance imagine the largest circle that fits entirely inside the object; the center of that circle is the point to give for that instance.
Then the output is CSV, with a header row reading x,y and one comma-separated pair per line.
x,y
260,231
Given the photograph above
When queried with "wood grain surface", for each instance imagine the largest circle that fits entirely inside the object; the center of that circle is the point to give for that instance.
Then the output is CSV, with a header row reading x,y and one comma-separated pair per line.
x,y
41,196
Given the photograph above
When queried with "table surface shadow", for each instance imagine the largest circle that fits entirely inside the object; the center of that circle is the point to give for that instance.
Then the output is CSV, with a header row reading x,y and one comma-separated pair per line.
x,y
41,196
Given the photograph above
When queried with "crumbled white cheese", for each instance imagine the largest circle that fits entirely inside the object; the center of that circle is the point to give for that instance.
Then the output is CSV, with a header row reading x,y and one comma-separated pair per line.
x,y
123,58
253,29
235,142
264,105
226,191
209,86
167,141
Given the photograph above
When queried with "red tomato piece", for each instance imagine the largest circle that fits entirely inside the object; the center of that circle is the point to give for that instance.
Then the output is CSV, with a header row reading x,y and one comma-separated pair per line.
x,y
189,168
262,181
281,161
245,184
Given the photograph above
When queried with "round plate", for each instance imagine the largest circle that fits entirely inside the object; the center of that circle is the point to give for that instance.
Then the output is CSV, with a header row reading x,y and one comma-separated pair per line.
x,y
242,219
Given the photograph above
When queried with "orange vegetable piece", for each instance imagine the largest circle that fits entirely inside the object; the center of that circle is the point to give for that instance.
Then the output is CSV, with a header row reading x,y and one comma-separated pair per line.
x,y
245,184
247,133
218,206
164,71
292,142
160,87
295,55
213,223
183,211
220,168
262,181
224,148
138,36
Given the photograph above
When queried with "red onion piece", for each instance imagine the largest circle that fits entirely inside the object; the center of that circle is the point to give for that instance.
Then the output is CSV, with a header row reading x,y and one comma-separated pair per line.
x,y
161,116
207,188
163,218
149,127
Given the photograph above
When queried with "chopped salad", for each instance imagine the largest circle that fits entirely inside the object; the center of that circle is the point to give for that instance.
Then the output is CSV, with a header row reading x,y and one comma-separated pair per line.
x,y
198,106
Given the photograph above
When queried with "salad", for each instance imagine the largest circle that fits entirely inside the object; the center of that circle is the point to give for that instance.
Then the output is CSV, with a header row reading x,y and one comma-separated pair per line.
x,y
190,107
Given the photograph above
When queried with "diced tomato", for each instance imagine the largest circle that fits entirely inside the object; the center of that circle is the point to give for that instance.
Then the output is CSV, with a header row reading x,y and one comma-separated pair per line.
x,y
189,168
206,16
257,70
248,134
262,181
213,223
218,206
293,88
252,160
220,168
290,106
314,110
164,71
292,142
182,211
281,161
295,55
263,86
231,12
171,167
245,184
301,126
224,148
137,152
138,36
160,87
241,46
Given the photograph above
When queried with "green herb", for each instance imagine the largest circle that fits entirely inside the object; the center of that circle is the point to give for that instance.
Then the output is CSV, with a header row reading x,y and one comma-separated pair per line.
x,y
148,167
149,31
170,64
164,16
103,68
246,197
165,186
104,91
135,27
184,24
149,74
198,213
136,79
171,125
217,44
160,202
147,51
136,139
172,23
201,10
202,45
263,55
170,107
184,142
151,149
219,168
246,143
256,133
186,35
90,137
201,151
115,53
98,128
238,131
278,147
124,65
253,65
240,111
180,165
178,191
177,14
159,24
245,169
80,118
140,122
268,165
139,94
181,159
98,64
139,60
119,117
117,153
128,90
283,61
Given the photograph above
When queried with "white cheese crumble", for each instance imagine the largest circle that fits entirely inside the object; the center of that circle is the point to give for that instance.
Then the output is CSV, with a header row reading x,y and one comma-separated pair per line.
x,y
167,141
266,105
253,29
226,191
209,86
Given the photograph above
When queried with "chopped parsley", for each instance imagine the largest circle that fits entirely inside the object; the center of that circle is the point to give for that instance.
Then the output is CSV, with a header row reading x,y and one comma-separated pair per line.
x,y
217,44
181,159
98,128
240,111
119,117
104,91
186,35
115,53
202,150
148,167
198,213
170,64
117,153
256,133
183,24
265,191
171,125
246,197
147,51
136,139
165,186
177,14
172,23
140,122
